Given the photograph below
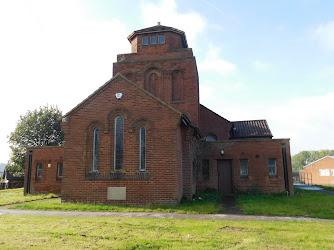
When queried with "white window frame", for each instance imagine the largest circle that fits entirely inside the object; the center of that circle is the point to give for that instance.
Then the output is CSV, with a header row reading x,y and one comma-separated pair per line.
x,y
161,36
332,172
324,172
270,166
243,164
148,40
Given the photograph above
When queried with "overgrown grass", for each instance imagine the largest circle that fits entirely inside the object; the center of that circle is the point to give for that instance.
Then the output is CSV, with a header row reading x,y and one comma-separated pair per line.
x,y
12,196
51,232
194,207
303,203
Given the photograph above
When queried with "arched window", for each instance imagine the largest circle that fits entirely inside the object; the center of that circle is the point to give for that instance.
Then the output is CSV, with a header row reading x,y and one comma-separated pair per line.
x,y
176,86
119,143
211,137
142,148
152,83
96,141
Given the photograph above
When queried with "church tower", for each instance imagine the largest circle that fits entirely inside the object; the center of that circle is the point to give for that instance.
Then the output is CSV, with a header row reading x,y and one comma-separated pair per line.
x,y
162,64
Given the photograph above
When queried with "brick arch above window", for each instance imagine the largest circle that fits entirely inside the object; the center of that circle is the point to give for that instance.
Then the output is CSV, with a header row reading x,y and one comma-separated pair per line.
x,y
119,111
142,121
153,81
131,76
96,124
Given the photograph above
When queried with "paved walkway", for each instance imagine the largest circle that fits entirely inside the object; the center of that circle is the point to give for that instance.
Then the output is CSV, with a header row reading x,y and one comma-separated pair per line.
x,y
229,217
313,188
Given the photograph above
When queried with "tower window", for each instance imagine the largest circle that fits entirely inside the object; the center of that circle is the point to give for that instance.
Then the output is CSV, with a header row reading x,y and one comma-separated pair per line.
x,y
161,39
153,39
145,40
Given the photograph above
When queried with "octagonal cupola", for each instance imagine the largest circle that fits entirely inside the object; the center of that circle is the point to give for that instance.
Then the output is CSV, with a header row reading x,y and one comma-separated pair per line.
x,y
157,39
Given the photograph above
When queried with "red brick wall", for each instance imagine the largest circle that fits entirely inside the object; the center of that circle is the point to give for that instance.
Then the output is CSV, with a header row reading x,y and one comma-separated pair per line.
x,y
313,170
257,152
164,59
212,123
49,157
163,160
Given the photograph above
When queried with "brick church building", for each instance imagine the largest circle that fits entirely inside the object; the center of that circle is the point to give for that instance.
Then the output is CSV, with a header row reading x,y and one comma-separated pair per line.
x,y
144,138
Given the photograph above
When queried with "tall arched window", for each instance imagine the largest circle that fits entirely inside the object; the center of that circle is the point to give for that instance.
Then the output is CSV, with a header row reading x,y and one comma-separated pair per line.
x,y
177,86
96,142
142,148
119,143
152,83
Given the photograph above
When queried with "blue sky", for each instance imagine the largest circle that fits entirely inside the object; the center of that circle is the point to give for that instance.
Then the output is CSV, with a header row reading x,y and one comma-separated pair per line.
x,y
269,60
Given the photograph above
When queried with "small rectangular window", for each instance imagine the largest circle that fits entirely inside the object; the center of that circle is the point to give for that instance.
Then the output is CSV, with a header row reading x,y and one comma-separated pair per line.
x,y
323,172
332,172
205,169
161,39
145,40
243,167
39,170
272,166
60,170
153,39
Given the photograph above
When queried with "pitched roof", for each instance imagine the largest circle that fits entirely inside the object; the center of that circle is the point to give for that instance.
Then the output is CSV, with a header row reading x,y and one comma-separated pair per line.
x,y
328,156
119,75
250,129
159,28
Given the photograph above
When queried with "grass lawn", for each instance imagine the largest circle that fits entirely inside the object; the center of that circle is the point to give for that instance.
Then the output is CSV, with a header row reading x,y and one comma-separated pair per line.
x,y
48,232
195,207
303,203
12,196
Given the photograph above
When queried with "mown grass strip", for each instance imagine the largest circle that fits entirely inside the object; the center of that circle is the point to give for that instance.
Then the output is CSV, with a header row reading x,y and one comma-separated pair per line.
x,y
194,207
131,233
12,196
303,203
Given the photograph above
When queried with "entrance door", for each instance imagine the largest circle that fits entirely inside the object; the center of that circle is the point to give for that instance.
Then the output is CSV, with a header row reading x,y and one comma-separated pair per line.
x,y
225,176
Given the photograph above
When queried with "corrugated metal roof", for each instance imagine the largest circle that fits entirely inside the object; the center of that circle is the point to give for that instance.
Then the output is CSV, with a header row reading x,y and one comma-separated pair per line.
x,y
250,129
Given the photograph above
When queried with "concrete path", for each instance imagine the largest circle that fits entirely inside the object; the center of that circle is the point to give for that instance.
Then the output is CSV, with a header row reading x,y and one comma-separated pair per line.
x,y
313,188
229,217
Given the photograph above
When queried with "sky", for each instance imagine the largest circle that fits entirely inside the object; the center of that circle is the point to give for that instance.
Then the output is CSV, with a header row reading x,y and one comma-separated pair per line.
x,y
256,59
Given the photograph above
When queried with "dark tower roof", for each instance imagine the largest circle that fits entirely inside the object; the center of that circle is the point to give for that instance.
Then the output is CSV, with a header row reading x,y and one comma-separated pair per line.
x,y
159,28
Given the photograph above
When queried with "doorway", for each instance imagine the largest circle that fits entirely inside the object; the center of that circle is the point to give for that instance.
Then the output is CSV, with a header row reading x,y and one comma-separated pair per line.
x,y
225,183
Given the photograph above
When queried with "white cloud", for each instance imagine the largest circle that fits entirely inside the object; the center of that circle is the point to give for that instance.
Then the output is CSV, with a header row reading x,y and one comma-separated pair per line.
x,y
212,62
262,66
52,53
307,121
191,23
324,35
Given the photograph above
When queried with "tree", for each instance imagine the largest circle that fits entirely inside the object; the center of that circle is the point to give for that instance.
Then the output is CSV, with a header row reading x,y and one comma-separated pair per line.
x,y
40,127
305,157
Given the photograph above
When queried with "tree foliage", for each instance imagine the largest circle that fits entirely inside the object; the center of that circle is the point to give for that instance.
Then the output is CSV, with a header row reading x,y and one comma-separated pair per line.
x,y
305,157
36,128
